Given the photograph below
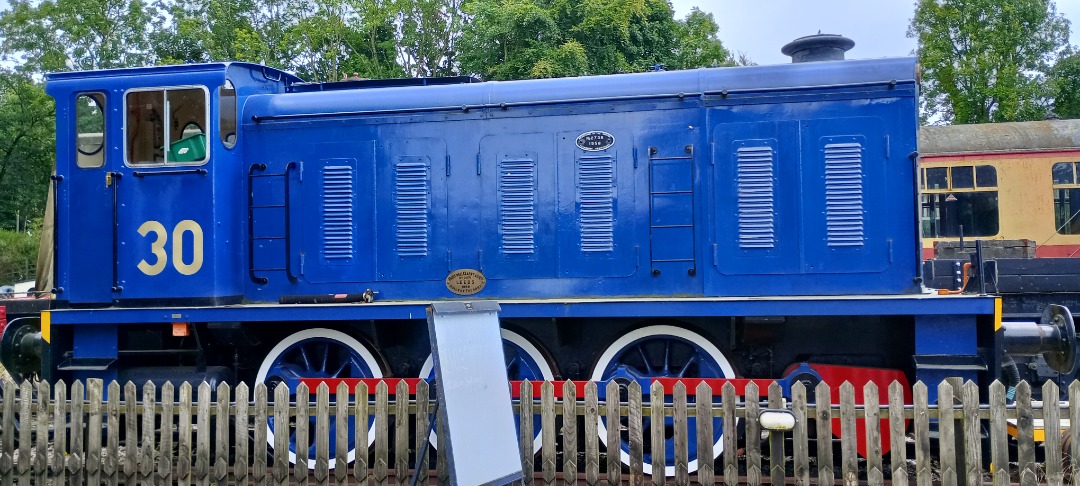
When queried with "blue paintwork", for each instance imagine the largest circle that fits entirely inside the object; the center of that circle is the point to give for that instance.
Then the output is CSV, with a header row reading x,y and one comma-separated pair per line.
x,y
785,190
821,306
392,188
953,335
672,211
85,204
668,212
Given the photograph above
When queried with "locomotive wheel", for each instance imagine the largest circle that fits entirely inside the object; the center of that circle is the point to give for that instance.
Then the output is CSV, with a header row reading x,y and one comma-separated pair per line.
x,y
317,353
663,351
524,361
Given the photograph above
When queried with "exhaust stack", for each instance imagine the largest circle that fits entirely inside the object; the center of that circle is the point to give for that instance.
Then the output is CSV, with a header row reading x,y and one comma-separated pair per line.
x,y
818,47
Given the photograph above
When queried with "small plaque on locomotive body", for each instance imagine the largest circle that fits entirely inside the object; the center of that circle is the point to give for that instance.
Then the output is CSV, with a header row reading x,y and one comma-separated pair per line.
x,y
595,140
466,281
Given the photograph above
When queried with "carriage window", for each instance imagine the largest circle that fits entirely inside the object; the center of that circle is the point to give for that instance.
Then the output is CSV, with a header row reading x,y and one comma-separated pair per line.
x,y
963,177
1066,198
986,176
90,130
936,178
227,114
166,126
960,200
1063,173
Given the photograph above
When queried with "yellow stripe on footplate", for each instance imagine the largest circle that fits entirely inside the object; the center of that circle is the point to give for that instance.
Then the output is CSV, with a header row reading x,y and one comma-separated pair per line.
x,y
997,313
46,326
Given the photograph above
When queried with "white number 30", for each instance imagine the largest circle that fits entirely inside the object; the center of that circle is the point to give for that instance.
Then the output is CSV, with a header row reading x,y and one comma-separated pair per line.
x,y
157,247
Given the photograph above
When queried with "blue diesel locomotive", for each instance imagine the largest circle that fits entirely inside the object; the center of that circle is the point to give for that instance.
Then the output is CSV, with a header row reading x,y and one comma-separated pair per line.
x,y
229,222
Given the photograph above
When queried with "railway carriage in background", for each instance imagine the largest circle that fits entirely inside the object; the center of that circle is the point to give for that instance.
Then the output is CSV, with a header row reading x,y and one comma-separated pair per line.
x,y
229,222
1016,182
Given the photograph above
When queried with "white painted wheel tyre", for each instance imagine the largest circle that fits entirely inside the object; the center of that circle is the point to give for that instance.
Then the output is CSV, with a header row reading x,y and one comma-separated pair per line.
x,y
681,334
328,336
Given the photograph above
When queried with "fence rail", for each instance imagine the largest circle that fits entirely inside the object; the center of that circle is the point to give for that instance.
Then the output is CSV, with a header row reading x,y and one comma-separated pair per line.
x,y
89,434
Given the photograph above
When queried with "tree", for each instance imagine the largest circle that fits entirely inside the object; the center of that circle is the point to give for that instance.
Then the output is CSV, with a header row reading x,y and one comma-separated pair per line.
x,y
506,39
699,45
56,35
986,60
513,39
18,252
1065,82
26,148
427,36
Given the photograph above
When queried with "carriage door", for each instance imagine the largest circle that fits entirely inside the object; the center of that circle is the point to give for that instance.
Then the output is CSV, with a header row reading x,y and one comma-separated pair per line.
x,y
85,205
165,219
672,260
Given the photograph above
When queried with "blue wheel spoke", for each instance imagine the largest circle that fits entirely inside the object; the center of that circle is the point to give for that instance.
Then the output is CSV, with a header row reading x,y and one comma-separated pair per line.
x,y
337,374
682,372
667,357
648,367
681,356
318,357
304,356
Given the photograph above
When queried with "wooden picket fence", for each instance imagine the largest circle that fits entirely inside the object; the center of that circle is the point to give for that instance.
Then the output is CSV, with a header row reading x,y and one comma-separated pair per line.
x,y
76,435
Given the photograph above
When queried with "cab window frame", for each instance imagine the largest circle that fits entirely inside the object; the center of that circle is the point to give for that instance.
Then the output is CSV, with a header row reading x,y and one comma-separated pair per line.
x,y
203,124
234,111
101,100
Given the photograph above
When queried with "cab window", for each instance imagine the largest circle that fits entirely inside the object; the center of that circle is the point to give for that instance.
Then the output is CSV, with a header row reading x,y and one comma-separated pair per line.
x,y
960,201
227,114
1066,197
166,126
90,130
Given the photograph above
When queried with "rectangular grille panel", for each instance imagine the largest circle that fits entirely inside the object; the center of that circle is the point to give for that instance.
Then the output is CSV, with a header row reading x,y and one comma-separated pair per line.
x,y
412,188
757,215
337,212
844,194
596,195
517,205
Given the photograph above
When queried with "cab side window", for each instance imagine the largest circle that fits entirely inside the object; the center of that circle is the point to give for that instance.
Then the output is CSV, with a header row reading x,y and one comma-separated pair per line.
x,y
166,126
227,114
90,130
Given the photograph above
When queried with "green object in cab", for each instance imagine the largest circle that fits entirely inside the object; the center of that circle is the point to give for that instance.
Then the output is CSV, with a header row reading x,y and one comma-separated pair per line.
x,y
188,149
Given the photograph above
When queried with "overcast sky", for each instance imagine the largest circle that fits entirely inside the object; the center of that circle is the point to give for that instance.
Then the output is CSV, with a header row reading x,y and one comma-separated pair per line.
x,y
759,28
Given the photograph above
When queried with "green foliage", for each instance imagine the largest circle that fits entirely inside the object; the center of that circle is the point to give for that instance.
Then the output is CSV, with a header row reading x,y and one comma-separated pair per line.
x,y
18,254
56,35
26,148
514,39
986,60
1065,82
699,44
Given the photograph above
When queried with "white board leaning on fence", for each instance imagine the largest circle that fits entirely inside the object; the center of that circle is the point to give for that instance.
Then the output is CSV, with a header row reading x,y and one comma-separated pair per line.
x,y
474,399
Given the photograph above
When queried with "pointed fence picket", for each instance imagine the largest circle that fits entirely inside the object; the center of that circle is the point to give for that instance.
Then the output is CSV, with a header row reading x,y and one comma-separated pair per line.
x,y
90,433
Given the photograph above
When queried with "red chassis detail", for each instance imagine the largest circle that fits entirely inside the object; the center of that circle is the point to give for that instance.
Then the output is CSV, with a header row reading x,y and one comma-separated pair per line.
x,y
515,386
835,376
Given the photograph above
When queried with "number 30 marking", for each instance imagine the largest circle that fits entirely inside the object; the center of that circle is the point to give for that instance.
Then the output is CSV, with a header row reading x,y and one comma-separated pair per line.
x,y
157,247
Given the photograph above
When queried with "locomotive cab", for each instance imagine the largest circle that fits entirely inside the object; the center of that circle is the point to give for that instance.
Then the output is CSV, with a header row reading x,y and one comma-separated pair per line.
x,y
144,158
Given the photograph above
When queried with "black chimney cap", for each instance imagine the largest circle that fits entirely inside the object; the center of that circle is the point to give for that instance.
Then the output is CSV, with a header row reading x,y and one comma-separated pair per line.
x,y
818,47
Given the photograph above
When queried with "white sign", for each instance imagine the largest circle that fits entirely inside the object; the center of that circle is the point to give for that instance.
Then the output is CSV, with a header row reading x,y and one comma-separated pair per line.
x,y
474,399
